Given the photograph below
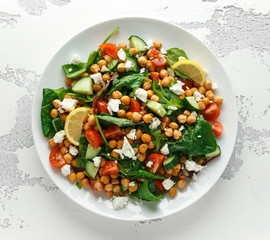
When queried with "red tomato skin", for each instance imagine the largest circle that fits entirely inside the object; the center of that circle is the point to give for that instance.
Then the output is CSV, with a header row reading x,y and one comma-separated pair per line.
x,y
187,84
134,105
110,167
102,106
93,138
157,160
113,132
158,184
157,58
216,127
154,75
211,112
56,158
110,49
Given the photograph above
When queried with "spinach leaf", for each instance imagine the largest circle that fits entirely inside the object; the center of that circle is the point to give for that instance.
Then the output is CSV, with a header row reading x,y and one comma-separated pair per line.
x,y
129,82
86,98
129,167
159,138
195,141
100,131
173,55
80,160
144,193
145,174
122,122
112,65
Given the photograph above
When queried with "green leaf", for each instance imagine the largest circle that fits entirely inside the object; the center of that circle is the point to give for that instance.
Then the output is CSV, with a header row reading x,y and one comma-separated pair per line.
x,y
159,138
129,167
121,122
145,174
144,193
111,34
83,144
100,131
78,185
86,98
173,55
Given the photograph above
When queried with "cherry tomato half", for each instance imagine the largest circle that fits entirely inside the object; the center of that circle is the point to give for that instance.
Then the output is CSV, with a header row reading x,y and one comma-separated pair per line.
x,y
56,158
158,184
157,160
216,127
187,84
102,106
110,167
154,75
157,58
93,138
110,49
211,112
113,132
134,105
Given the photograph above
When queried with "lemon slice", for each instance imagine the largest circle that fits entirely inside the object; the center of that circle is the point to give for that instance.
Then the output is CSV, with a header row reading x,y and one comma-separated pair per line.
x,y
74,123
190,69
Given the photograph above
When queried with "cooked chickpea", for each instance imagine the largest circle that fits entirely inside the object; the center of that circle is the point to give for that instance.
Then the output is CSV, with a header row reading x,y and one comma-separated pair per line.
x,y
125,182
63,150
181,183
56,103
151,66
94,68
68,158
154,98
117,95
181,175
136,117
202,90
52,143
182,96
61,144
143,147
127,130
91,120
135,51
166,120
73,82
108,187
206,101
86,126
72,177
125,100
169,171
121,113
177,134
85,182
139,134
96,87
146,138
114,175
187,113
115,181
218,100
68,81
209,94
63,117
165,82
172,191
168,132
182,118
148,53
114,154
208,84
191,119
150,93
163,73
80,175
173,125
161,170
157,44
147,118
142,61
147,85
85,74
54,113
201,105
99,186
151,145
129,115
109,194
103,161
121,67
116,189
183,159
107,58
188,93
122,45
133,188
74,163
193,90
106,77
119,144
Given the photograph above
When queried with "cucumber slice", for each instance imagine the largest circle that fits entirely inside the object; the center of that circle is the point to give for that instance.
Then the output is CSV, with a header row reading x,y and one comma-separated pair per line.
x,y
57,124
135,65
170,162
83,86
157,108
190,103
91,169
92,152
112,65
137,42
216,153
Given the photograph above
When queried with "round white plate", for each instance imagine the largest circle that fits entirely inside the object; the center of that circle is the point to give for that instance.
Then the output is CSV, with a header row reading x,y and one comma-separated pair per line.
x,y
171,36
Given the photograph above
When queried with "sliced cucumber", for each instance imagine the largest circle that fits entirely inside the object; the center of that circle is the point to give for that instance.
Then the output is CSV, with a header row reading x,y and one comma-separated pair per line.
x,y
91,169
171,162
216,153
57,124
137,42
112,65
156,107
92,152
190,103
135,65
83,86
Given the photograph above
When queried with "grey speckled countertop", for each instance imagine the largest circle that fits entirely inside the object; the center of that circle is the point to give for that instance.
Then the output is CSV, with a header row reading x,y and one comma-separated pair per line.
x,y
238,206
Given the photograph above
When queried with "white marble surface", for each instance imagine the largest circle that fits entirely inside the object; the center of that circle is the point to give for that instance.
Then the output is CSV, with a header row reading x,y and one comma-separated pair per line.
x,y
238,206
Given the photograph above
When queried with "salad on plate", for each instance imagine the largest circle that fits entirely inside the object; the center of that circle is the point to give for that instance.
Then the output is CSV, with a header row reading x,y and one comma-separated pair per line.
x,y
134,121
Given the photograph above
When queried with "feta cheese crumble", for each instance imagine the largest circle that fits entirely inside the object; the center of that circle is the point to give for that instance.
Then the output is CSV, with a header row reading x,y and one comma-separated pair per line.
x,y
142,70
194,177
70,70
181,128
199,136
155,122
192,166
149,44
65,170
121,54
194,113
104,69
97,78
59,136
132,134
177,88
165,150
119,202
149,164
170,72
172,107
113,105
76,59
214,86
198,96
128,65
132,184
168,183
97,161
141,94
163,51
69,104
73,151
126,150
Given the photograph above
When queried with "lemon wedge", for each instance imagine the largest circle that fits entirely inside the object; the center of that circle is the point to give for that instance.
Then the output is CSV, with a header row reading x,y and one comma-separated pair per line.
x,y
190,69
74,123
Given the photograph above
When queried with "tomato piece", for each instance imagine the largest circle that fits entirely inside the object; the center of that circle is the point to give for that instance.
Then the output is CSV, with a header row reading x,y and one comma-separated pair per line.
x,y
211,112
158,184
134,105
187,84
110,167
102,106
93,138
157,58
113,132
216,127
154,75
110,49
157,160
56,158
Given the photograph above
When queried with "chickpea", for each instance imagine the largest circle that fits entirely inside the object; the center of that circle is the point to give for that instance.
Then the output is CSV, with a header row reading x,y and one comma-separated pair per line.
x,y
199,161
201,105
56,103
161,170
119,144
177,134
61,144
181,183
114,175
188,93
86,126
103,161
166,120
177,167
143,148
147,85
218,100
135,51
183,159
206,101
107,58
146,138
95,127
181,175
202,90
163,73
73,82
173,125
52,143
208,84
106,77
68,81
94,68
114,154
72,177
99,186
182,96
54,113
165,82
150,93
136,117
151,145
116,189
121,113
108,187
80,175
191,119
115,181
121,67
139,134
122,45
193,90
168,132
63,117
148,53
125,182
85,182
172,191
147,118
91,120
151,66
96,87
157,44
133,188
169,171
109,194
154,98
142,61
74,163
117,95
129,115
125,100
68,158
182,118
63,150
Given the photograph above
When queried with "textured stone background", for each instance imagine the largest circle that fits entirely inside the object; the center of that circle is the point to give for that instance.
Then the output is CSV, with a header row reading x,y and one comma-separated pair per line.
x,y
238,206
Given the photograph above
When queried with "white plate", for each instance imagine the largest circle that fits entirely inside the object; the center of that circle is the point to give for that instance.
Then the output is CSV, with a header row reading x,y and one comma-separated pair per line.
x,y
171,36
